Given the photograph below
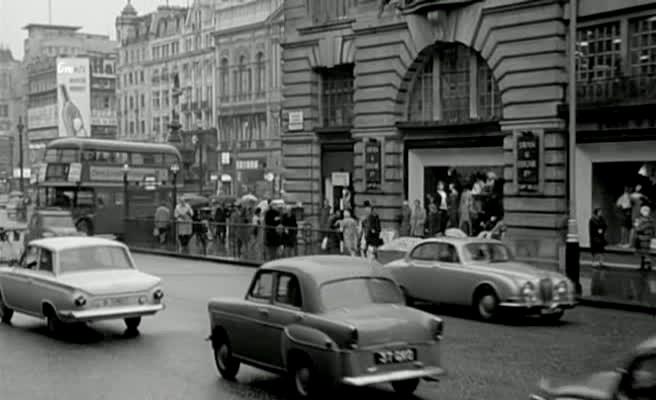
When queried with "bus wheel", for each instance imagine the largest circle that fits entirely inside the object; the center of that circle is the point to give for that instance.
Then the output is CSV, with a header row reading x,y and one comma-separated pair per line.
x,y
84,226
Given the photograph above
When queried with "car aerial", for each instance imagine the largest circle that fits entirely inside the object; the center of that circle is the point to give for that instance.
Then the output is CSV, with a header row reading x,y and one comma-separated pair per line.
x,y
78,280
636,380
46,223
483,274
325,320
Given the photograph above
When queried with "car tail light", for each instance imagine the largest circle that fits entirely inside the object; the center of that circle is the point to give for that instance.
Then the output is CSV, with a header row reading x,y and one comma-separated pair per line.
x,y
158,295
438,329
353,339
80,301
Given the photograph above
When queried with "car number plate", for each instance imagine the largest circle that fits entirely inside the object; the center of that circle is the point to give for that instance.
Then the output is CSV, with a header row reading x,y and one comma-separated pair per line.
x,y
120,301
395,356
551,310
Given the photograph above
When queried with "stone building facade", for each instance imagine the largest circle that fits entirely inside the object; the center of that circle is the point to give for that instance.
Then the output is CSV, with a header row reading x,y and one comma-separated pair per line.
x,y
396,95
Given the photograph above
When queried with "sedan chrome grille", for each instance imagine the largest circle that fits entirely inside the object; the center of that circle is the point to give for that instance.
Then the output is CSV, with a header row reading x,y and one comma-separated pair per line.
x,y
546,290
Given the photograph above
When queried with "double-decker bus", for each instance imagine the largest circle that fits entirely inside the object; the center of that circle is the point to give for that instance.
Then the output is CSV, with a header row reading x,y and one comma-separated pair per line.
x,y
91,177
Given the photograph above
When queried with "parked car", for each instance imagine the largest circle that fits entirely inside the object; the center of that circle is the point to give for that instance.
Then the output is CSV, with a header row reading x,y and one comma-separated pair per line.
x,y
324,320
636,380
50,223
481,273
81,279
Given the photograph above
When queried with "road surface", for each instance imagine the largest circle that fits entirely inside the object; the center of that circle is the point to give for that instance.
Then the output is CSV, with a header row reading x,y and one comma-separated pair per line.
x,y
171,360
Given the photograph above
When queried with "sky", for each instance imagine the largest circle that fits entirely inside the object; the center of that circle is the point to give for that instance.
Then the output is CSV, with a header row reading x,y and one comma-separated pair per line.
x,y
94,16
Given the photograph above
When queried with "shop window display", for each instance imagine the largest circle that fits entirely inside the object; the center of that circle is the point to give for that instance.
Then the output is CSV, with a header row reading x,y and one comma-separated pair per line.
x,y
466,198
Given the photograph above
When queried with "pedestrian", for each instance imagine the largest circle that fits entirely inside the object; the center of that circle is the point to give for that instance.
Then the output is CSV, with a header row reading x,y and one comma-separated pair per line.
x,y
373,229
162,223
325,213
453,203
256,234
433,227
644,233
349,227
220,223
184,220
418,220
624,208
597,227
442,203
272,222
406,216
290,232
467,214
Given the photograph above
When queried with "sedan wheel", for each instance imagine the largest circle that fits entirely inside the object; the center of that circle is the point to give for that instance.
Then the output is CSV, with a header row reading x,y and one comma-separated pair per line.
x,y
406,387
54,324
487,305
227,365
133,324
5,312
303,379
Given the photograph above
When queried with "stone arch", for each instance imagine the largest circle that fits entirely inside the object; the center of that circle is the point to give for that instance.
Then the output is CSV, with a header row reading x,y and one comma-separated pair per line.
x,y
422,67
520,56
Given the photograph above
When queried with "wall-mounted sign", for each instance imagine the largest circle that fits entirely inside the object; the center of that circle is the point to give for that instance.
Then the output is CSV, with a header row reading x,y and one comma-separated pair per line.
x,y
295,121
103,117
150,183
528,162
342,179
372,164
42,117
73,97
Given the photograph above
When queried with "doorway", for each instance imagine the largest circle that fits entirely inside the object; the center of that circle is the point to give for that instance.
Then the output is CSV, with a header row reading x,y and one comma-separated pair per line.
x,y
336,158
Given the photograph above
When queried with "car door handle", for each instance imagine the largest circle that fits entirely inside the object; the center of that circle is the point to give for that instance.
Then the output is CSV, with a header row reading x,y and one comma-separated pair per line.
x,y
264,312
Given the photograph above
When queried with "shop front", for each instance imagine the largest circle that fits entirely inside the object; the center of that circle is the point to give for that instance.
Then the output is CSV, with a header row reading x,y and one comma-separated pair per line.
x,y
605,171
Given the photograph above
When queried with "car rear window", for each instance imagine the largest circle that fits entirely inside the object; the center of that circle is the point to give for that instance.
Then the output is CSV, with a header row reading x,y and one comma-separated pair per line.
x,y
58,221
96,258
358,292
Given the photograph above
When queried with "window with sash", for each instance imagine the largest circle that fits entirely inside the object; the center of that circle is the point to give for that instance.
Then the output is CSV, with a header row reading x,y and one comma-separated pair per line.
x,y
337,96
642,40
225,80
598,54
442,90
260,77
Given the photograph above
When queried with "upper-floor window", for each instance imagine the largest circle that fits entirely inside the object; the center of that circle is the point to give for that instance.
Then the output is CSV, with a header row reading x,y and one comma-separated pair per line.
x,y
259,75
244,78
337,96
598,52
642,40
155,78
165,74
4,111
446,81
323,11
224,71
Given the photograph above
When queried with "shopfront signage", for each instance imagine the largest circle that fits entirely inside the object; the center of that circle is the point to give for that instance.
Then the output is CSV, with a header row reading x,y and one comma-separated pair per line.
x,y
295,121
342,179
372,164
528,162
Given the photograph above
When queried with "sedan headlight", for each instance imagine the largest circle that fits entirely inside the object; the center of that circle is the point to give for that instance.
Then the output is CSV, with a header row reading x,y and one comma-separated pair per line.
x,y
80,301
561,290
528,292
158,294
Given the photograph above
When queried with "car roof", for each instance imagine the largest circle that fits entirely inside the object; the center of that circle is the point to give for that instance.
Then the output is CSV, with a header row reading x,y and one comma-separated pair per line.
x,y
328,268
73,242
459,240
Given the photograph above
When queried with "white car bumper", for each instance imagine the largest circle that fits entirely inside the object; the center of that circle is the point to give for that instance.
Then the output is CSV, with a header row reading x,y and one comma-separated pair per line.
x,y
96,314
365,380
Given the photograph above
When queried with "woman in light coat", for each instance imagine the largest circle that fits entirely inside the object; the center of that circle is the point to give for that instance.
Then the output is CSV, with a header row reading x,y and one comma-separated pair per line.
x,y
418,220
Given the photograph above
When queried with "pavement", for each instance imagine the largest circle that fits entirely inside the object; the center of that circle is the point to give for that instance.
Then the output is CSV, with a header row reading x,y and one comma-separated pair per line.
x,y
170,359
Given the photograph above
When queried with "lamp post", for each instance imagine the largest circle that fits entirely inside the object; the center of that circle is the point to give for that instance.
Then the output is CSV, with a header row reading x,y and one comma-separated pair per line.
x,y
572,249
20,128
126,211
198,146
175,168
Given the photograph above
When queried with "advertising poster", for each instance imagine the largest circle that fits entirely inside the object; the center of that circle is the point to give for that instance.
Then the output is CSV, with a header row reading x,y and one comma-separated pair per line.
x,y
73,97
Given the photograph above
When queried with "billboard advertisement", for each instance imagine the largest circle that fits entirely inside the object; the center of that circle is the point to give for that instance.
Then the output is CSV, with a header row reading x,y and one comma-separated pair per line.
x,y
73,97
42,117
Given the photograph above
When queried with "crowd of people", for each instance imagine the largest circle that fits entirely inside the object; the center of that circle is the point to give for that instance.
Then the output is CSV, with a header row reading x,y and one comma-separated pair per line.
x,y
473,207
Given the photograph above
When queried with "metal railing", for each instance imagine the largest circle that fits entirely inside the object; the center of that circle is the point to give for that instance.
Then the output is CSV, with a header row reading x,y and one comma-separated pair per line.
x,y
628,89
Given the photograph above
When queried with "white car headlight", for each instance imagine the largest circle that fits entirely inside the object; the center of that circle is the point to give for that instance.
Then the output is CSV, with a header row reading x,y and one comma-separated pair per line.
x,y
562,288
528,291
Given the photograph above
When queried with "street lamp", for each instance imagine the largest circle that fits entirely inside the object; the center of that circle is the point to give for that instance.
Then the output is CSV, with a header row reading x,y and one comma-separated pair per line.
x,y
175,168
20,128
271,178
126,169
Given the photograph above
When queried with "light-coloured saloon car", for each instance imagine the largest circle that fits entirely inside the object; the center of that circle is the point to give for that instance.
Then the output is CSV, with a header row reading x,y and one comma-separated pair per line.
x,y
78,279
326,320
483,274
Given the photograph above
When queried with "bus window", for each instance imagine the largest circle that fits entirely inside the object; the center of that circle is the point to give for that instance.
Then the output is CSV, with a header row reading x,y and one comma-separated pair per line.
x,y
61,155
51,156
104,157
170,159
85,198
148,158
104,198
136,159
121,157
89,155
118,198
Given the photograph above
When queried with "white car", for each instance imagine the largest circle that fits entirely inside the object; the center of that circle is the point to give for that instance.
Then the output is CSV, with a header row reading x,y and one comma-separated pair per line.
x,y
78,279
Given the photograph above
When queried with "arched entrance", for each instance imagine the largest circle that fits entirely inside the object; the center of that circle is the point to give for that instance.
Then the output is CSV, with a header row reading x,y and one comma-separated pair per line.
x,y
451,133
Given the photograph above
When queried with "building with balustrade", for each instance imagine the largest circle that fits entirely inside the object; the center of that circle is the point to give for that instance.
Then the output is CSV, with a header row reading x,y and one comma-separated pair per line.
x,y
247,39
389,98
